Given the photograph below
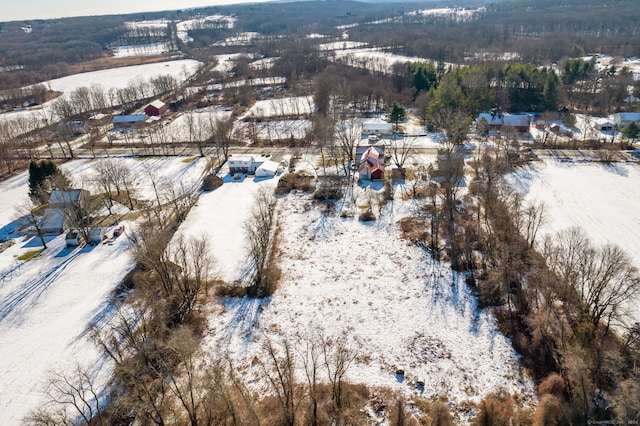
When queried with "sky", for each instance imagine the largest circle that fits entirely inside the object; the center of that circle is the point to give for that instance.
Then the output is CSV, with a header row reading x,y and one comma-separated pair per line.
x,y
11,10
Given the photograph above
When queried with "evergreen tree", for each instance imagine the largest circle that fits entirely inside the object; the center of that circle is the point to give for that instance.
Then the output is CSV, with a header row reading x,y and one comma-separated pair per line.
x,y
631,131
397,113
45,176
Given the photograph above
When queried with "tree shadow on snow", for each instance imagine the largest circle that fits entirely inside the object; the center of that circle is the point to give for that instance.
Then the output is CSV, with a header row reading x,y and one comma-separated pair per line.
x,y
66,251
35,242
615,169
246,312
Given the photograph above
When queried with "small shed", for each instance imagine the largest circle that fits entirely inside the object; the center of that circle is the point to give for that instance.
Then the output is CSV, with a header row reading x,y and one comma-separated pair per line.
x,y
74,239
268,169
96,235
155,108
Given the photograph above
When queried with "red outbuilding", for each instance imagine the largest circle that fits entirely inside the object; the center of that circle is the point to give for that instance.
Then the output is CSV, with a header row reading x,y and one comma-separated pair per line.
x,y
155,108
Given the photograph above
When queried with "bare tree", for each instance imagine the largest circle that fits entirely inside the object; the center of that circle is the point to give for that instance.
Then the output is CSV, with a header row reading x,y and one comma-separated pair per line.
x,y
259,227
220,130
400,150
32,214
604,278
77,390
280,372
347,136
339,354
310,350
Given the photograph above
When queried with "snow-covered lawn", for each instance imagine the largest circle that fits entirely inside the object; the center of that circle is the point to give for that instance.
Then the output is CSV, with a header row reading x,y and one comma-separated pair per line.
x,y
220,216
397,305
46,303
599,198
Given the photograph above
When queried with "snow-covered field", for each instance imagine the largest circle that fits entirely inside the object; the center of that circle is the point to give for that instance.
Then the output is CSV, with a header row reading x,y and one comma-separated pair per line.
x,y
376,59
110,79
46,303
396,305
599,198
141,49
295,106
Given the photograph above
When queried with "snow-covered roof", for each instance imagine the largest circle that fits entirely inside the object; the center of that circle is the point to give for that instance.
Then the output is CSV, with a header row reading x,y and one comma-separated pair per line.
x,y
157,104
61,197
627,116
242,158
376,123
269,166
516,120
372,153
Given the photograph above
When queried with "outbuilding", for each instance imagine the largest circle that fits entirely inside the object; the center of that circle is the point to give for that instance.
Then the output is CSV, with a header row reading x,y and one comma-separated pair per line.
x,y
155,108
268,169
127,121
74,238
376,126
96,235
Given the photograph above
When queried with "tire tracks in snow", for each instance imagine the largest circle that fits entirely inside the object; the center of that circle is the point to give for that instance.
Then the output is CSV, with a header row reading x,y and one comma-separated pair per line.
x,y
32,290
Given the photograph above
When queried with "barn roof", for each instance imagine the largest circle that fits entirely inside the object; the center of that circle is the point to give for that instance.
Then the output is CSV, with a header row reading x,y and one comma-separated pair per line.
x,y
157,104
135,118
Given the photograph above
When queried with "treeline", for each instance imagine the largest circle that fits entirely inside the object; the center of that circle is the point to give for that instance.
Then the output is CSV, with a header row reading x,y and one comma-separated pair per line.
x,y
539,33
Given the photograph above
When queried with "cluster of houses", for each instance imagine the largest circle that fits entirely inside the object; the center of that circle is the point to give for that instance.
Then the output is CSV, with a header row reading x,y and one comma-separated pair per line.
x,y
497,123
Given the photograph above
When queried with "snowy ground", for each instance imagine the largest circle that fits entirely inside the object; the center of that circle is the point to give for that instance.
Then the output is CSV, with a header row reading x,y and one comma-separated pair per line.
x,y
115,78
141,49
46,303
601,199
291,106
397,305
220,215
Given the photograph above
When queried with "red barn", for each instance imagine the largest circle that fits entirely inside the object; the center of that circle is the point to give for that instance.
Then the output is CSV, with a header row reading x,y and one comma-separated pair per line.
x,y
155,108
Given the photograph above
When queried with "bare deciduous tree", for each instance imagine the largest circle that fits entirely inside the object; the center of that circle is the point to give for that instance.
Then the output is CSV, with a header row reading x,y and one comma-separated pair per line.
x,y
280,372
32,214
400,150
339,354
604,278
259,227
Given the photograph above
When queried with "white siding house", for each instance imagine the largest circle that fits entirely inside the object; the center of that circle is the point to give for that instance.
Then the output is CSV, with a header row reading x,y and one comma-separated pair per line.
x,y
242,164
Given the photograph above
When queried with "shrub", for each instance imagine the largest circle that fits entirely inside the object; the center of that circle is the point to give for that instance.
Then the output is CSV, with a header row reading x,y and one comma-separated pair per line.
x,y
329,188
211,182
496,410
366,216
291,181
